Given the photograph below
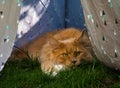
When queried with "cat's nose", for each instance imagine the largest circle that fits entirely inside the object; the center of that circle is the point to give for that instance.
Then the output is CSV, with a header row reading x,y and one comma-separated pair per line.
x,y
74,61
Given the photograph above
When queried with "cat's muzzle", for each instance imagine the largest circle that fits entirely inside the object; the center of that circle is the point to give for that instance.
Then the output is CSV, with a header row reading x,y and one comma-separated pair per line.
x,y
75,62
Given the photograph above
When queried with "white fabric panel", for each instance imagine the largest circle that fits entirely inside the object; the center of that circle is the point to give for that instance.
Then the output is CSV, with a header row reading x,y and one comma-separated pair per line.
x,y
9,14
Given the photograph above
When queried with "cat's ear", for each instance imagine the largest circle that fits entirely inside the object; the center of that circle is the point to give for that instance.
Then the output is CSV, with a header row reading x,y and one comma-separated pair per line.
x,y
80,36
82,33
83,38
53,42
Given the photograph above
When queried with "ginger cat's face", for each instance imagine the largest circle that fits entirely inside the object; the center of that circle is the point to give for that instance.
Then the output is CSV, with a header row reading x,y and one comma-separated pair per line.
x,y
69,52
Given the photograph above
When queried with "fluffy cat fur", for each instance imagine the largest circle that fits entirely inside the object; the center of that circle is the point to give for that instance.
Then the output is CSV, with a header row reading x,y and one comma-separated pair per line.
x,y
58,50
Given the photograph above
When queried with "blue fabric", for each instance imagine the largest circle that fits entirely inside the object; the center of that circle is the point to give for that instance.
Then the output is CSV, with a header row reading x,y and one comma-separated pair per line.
x,y
59,14
74,14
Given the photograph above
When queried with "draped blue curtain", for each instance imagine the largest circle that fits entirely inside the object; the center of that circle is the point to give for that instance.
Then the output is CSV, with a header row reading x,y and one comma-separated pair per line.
x,y
56,14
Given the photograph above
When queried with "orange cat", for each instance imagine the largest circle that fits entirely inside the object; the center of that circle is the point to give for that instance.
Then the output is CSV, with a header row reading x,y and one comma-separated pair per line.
x,y
59,50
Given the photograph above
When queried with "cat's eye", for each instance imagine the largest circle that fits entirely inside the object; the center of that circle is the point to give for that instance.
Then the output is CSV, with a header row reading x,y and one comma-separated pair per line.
x,y
76,53
64,54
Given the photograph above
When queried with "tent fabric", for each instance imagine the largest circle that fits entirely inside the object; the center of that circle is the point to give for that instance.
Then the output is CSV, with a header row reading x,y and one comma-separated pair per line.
x,y
38,17
9,16
102,19
47,15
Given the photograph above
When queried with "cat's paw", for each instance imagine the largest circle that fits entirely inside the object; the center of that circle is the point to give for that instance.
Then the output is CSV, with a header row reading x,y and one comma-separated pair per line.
x,y
57,69
47,66
51,69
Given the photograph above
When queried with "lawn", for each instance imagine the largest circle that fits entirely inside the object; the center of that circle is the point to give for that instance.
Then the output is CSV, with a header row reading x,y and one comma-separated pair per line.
x,y
27,74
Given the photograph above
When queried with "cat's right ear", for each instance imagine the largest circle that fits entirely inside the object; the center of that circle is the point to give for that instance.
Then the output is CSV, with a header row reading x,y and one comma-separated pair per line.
x,y
53,42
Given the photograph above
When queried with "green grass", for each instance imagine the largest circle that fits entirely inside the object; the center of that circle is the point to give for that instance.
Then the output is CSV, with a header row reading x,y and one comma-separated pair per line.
x,y
27,74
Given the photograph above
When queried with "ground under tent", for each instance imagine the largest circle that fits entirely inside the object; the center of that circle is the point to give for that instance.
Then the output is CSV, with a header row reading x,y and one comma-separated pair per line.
x,y
101,16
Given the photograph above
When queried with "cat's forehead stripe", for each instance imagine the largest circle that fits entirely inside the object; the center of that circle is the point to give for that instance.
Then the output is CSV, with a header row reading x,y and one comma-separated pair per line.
x,y
67,40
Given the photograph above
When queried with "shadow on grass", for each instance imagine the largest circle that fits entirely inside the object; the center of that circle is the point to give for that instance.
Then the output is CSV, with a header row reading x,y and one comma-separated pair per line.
x,y
28,74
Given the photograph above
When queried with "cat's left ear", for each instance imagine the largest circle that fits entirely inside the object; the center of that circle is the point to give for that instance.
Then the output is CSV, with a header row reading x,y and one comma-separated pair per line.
x,y
80,35
83,38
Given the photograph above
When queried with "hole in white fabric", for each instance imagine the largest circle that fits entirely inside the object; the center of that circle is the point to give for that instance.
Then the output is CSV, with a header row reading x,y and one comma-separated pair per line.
x,y
116,21
97,25
103,38
116,55
1,12
6,40
105,23
103,13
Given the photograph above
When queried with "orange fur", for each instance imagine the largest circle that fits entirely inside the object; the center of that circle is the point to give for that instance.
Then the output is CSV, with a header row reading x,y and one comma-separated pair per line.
x,y
67,47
